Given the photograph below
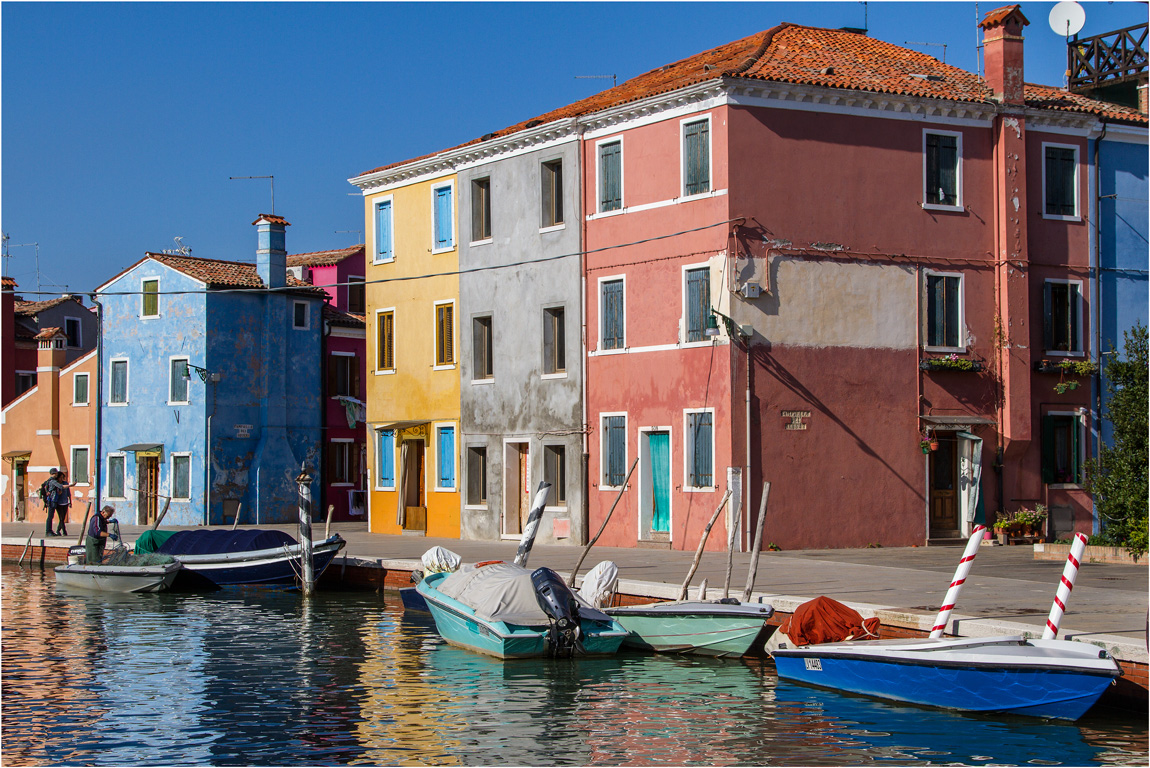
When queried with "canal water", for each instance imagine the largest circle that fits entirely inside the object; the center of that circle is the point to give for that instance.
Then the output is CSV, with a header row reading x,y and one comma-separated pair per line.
x,y
257,677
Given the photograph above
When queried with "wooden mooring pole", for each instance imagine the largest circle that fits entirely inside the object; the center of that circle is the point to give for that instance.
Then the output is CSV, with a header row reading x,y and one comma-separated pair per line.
x,y
702,544
307,571
575,570
753,570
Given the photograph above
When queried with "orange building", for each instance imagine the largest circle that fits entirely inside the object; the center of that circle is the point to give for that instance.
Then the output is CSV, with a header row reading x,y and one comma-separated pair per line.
x,y
51,426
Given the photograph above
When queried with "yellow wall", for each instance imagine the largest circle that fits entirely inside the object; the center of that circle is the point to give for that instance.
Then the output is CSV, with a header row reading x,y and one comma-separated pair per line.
x,y
417,391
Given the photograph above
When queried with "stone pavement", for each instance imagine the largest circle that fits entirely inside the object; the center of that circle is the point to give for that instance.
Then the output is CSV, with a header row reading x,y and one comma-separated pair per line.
x,y
1007,592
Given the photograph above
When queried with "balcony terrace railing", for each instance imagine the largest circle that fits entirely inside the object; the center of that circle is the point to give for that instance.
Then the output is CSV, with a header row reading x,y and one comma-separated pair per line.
x,y
1108,59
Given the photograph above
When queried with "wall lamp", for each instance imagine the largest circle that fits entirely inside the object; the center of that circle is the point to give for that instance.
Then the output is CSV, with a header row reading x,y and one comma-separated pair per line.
x,y
744,331
203,373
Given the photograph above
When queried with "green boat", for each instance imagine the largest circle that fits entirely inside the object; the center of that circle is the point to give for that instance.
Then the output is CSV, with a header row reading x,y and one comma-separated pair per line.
x,y
726,629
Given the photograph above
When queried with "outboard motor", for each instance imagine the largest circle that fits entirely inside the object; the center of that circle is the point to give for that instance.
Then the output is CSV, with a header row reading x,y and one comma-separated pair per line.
x,y
560,606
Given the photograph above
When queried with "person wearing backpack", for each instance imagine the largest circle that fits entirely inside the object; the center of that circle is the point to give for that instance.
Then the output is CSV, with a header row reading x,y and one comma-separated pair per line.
x,y
59,500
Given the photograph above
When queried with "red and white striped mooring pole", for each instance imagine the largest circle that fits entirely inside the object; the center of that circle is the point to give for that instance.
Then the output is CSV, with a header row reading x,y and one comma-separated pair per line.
x,y
1069,574
964,564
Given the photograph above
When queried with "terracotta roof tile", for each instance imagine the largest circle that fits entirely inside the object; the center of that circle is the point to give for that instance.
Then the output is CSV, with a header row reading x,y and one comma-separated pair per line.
x,y
31,308
217,273
324,258
8,283
999,15
271,218
48,333
831,58
343,319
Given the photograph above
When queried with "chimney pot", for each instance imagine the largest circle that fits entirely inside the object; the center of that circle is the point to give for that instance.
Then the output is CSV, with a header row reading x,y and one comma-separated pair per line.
x,y
1002,53
271,250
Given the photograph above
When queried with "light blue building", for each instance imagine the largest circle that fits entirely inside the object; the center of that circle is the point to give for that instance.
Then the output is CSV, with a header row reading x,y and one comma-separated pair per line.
x,y
209,387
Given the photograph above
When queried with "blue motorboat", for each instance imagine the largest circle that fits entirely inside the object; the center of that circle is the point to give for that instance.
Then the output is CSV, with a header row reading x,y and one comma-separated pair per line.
x,y
1044,678
508,611
261,557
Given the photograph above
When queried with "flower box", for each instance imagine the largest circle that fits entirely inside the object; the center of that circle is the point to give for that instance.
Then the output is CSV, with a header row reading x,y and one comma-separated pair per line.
x,y
960,364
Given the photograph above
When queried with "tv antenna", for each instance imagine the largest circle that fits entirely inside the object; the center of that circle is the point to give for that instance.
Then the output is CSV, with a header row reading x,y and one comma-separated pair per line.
x,y
8,256
597,77
936,45
349,231
1067,18
273,182
180,249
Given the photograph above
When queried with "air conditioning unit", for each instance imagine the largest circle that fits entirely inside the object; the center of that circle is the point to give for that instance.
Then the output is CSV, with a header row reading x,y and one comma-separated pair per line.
x,y
750,290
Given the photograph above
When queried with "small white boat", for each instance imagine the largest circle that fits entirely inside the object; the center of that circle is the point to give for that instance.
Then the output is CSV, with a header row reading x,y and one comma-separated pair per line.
x,y
118,578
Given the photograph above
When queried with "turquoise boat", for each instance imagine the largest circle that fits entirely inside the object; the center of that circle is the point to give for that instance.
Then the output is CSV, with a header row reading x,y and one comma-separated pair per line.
x,y
507,611
697,627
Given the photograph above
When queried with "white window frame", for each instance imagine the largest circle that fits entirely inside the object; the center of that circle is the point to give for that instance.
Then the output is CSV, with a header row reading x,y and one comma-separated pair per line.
x,y
127,381
603,416
599,319
435,427
1077,179
1083,454
490,317
172,476
566,505
159,310
187,361
563,373
375,203
464,489
689,455
378,371
79,332
435,366
72,465
1080,341
562,224
331,362
685,319
618,138
123,477
962,339
394,457
435,212
306,315
491,213
343,484
87,389
683,123
959,206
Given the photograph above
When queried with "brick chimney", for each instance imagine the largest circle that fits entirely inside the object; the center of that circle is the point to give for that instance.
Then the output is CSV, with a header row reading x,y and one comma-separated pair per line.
x,y
50,357
271,250
1002,53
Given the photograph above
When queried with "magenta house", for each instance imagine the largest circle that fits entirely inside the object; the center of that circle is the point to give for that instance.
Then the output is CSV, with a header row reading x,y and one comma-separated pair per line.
x,y
340,273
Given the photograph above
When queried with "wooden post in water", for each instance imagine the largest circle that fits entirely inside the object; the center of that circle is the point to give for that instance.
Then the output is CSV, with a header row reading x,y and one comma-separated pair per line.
x,y
26,545
236,519
327,526
160,516
84,525
753,571
532,524
307,567
603,527
703,543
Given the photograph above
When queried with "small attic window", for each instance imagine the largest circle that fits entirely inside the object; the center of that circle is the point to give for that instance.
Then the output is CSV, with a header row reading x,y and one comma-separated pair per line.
x,y
827,71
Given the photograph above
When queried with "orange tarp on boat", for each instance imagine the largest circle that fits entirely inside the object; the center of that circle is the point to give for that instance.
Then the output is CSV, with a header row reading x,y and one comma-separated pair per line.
x,y
824,620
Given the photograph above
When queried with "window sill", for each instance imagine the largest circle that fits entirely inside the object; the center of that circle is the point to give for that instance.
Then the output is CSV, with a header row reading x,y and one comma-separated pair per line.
x,y
1054,217
1060,353
945,350
557,509
484,241
448,249
79,405
707,342
620,351
149,317
481,382
179,402
387,372
476,507
685,198
383,261
553,228
342,485
447,367
1064,486
385,490
556,375
452,489
699,489
943,208
606,214
118,405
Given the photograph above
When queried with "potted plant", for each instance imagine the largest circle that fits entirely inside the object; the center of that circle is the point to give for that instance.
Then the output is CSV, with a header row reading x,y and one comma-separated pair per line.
x,y
929,442
1030,520
951,362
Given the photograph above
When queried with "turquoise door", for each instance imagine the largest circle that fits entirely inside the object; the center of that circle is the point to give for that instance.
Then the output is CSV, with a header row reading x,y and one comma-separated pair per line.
x,y
659,444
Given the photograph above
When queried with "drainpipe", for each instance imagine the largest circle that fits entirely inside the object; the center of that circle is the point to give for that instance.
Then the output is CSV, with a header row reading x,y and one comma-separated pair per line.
x,y
323,408
1096,309
586,515
99,396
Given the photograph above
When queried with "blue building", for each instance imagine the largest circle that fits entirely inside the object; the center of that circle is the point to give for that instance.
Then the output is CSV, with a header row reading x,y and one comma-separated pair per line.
x,y
209,387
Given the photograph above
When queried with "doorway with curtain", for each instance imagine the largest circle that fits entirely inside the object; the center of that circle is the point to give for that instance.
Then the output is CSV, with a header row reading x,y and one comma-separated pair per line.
x,y
412,511
147,492
655,486
955,472
516,487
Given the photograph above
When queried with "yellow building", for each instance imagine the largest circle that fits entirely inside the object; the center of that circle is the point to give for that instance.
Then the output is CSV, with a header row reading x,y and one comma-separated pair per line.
x,y
412,378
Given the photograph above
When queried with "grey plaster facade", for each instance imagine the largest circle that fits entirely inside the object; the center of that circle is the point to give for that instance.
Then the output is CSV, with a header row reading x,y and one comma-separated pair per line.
x,y
521,413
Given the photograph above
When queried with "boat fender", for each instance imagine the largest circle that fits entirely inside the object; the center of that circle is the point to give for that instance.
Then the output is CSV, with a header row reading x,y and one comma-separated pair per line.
x,y
488,562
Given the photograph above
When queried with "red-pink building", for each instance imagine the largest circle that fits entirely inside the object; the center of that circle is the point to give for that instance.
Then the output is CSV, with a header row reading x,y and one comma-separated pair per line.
x,y
893,256
341,274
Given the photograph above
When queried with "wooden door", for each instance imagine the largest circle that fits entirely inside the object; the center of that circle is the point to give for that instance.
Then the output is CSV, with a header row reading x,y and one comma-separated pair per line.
x,y
416,517
20,474
516,488
944,489
148,470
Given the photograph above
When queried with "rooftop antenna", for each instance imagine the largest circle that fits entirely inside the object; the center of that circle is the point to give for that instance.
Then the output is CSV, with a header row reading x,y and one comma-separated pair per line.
x,y
273,182
1066,19
977,42
8,255
349,231
936,45
597,77
180,249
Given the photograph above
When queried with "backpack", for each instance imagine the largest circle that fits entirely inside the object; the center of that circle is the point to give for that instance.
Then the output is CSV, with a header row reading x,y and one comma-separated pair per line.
x,y
44,491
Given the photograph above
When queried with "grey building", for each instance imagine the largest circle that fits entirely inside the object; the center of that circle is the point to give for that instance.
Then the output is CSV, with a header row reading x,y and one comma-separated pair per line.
x,y
520,320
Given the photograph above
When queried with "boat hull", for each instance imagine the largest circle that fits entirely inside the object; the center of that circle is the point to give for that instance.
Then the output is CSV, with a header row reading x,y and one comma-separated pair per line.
x,y
114,578
459,626
701,628
1041,678
264,567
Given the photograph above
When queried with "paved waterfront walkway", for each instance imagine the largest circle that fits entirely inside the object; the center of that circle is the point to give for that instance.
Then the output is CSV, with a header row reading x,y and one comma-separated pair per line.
x,y
1007,592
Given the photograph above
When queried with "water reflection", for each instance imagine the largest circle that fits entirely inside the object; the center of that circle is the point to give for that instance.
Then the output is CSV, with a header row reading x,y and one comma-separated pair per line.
x,y
267,678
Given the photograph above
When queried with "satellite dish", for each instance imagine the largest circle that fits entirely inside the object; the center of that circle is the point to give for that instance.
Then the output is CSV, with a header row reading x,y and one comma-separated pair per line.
x,y
1067,18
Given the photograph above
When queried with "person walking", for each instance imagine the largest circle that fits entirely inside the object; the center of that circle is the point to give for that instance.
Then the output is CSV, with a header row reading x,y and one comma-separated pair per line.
x,y
98,536
62,501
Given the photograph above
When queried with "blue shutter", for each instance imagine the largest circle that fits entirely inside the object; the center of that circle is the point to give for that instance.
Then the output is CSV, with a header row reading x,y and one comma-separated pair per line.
x,y
615,436
697,157
611,176
446,457
702,462
443,221
612,311
385,458
698,303
383,231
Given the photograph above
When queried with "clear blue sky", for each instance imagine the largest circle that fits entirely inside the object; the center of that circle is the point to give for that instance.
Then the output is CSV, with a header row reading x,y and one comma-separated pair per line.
x,y
123,122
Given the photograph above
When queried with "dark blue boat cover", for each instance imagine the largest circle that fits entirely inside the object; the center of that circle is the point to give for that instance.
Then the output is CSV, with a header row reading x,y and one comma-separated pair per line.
x,y
218,542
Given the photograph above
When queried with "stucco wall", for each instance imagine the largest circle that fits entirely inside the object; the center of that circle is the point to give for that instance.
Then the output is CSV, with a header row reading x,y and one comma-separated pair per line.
x,y
520,403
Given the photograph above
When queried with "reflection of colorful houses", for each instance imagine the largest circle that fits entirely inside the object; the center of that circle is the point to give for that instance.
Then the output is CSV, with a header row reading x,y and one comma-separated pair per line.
x,y
344,355
210,386
413,369
51,426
